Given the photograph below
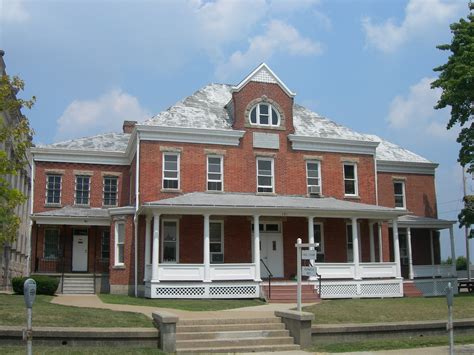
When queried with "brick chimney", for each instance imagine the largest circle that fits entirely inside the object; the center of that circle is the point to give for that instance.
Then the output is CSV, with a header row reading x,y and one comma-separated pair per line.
x,y
128,126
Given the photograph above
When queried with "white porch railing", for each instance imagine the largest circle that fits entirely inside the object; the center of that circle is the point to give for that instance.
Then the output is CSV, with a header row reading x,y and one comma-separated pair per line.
x,y
347,270
378,270
221,272
432,271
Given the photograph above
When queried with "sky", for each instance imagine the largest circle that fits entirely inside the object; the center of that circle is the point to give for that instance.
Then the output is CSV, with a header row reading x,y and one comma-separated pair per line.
x,y
366,64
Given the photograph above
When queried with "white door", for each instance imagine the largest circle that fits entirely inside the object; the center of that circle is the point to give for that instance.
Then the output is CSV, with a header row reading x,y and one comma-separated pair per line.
x,y
79,251
271,252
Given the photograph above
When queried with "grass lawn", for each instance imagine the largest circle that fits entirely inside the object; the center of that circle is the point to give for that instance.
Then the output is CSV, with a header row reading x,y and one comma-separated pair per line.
x,y
388,344
46,350
46,314
187,305
390,309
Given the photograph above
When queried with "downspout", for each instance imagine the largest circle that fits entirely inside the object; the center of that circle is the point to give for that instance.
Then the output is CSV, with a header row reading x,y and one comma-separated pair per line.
x,y
32,197
137,202
376,181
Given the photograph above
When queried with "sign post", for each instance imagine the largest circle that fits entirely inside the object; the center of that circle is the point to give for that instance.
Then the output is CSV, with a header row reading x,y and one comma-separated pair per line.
x,y
29,292
449,299
304,270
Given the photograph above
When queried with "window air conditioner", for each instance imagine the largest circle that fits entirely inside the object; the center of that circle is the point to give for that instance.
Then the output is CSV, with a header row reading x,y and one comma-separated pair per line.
x,y
315,190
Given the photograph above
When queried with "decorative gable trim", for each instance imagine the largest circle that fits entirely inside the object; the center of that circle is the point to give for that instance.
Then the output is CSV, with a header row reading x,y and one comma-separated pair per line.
x,y
388,166
263,74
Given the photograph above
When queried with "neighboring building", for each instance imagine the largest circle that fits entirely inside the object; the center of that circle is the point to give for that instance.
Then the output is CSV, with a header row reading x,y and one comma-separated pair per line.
x,y
14,258
168,207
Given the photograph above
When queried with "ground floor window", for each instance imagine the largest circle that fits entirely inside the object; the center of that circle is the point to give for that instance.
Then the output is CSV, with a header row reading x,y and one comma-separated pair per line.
x,y
51,244
170,241
216,236
349,242
105,245
319,238
402,240
119,243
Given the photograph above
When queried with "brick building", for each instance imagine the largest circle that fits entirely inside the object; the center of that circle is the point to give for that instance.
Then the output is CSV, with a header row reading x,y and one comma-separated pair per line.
x,y
208,198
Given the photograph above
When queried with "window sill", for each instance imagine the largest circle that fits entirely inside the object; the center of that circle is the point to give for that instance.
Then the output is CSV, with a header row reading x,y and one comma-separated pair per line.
x,y
215,191
118,267
53,205
171,190
401,208
109,206
352,197
81,205
266,194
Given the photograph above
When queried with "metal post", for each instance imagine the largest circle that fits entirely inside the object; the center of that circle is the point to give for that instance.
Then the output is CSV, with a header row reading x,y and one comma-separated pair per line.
x,y
466,230
449,298
29,331
298,273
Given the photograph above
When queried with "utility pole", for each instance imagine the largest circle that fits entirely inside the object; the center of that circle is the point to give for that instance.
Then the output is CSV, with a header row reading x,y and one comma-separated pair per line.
x,y
466,231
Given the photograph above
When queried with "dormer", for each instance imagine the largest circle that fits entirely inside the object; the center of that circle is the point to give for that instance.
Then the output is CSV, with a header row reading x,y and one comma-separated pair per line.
x,y
263,101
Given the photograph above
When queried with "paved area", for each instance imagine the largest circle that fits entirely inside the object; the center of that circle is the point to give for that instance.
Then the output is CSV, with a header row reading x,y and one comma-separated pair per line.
x,y
439,350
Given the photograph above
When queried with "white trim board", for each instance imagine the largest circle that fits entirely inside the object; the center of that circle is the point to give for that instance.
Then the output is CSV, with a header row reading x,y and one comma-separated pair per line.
x,y
318,144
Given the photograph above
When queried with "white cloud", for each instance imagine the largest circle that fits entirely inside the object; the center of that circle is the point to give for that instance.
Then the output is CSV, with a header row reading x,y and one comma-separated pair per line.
x,y
105,114
278,37
421,17
13,11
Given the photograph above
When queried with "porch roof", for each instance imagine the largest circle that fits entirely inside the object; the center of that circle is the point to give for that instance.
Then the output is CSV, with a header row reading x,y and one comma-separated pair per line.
x,y
424,222
71,215
247,204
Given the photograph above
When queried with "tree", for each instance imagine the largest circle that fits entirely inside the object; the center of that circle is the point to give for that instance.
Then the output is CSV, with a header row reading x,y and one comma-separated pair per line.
x,y
15,138
456,79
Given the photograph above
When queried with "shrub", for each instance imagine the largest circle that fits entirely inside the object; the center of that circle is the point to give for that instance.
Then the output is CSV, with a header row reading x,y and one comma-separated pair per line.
x,y
45,285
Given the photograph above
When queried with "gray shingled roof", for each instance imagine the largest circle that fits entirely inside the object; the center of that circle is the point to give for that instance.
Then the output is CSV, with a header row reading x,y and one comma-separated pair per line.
x,y
108,142
79,212
424,222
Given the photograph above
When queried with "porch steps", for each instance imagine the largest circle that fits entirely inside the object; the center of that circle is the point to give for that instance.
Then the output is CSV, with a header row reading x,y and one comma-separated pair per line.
x,y
231,335
287,293
410,290
78,285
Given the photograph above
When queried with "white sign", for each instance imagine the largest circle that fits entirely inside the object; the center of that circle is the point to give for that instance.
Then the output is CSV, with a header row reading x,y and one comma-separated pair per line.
x,y
308,254
308,271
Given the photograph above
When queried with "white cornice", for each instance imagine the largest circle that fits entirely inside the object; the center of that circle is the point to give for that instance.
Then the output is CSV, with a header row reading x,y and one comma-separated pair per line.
x,y
387,166
62,155
121,210
190,135
318,144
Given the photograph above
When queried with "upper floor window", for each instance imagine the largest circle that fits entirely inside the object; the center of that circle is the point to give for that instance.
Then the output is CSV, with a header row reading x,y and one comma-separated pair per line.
x,y
313,177
171,171
53,189
399,193
264,114
110,190
82,189
265,175
350,180
214,173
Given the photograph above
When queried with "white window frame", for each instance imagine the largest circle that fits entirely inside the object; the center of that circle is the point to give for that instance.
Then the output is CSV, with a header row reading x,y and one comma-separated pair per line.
x,y
175,220
403,194
178,170
356,179
221,172
272,175
320,249
60,189
88,191
350,257
222,242
116,190
257,115
319,174
116,244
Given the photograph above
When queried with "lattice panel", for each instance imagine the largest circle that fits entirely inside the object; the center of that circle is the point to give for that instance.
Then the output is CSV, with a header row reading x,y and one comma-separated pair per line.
x,y
264,76
379,289
180,291
232,290
338,290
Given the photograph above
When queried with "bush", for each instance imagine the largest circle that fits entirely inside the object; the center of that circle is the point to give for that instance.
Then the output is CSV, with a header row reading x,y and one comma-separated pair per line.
x,y
45,285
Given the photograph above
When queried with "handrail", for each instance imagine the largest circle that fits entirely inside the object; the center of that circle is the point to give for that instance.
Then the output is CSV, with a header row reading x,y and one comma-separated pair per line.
x,y
270,275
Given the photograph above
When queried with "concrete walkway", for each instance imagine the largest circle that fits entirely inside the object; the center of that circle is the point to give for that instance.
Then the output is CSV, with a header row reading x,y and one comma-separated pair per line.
x,y
438,350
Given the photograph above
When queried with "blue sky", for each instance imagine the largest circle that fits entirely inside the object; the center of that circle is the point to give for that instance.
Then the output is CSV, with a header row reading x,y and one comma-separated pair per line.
x,y
365,64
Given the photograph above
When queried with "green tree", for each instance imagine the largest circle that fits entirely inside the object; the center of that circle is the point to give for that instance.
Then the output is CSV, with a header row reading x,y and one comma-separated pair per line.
x,y
15,138
456,79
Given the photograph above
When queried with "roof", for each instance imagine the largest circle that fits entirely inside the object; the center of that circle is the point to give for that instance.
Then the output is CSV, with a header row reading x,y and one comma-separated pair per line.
x,y
109,142
72,211
424,222
388,151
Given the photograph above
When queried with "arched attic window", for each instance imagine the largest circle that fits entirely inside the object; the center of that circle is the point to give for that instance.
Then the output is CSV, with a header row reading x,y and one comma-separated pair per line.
x,y
264,114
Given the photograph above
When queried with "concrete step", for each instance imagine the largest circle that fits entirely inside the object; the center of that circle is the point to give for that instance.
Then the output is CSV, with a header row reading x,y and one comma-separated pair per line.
x,y
78,285
214,343
228,327
240,334
220,321
241,349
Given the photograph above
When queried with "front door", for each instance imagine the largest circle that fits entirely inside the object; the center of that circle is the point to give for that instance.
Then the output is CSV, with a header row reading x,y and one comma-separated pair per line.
x,y
80,250
271,252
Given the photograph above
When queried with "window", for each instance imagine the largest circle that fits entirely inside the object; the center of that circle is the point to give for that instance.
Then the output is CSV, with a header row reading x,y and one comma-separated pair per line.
x,y
264,114
170,241
170,171
403,245
110,190
350,180
264,175
214,173
51,244
105,245
268,227
319,238
119,243
53,189
350,244
216,241
313,175
399,193
82,189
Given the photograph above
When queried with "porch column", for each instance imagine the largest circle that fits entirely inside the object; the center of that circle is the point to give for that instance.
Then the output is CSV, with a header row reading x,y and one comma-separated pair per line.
x,y
379,231
311,234
372,242
453,252
207,256
147,244
410,256
432,253
396,247
156,247
355,248
256,246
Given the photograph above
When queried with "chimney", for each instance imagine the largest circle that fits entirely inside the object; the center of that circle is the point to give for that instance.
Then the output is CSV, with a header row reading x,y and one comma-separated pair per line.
x,y
128,126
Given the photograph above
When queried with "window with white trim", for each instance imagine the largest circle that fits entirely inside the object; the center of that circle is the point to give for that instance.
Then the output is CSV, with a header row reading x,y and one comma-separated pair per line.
x,y
215,173
51,244
265,175
105,245
313,174
350,179
170,239
110,190
350,243
119,243
264,114
53,189
82,189
319,238
399,194
171,171
216,241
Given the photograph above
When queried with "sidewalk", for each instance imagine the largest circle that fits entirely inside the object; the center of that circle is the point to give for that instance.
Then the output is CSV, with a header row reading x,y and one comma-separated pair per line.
x,y
438,350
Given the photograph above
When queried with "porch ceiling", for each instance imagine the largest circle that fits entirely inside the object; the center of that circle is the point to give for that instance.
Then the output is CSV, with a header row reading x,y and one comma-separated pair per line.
x,y
248,204
71,215
423,222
